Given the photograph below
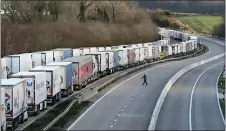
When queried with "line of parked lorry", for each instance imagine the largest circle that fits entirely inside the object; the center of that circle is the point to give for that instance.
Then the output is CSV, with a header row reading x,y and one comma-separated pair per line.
x,y
33,81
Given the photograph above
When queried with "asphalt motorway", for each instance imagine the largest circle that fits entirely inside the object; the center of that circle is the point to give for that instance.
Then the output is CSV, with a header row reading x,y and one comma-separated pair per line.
x,y
129,105
205,113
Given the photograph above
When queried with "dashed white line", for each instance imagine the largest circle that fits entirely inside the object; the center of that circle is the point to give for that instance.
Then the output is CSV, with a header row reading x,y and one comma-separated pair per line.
x,y
125,106
127,102
111,125
118,114
115,120
121,110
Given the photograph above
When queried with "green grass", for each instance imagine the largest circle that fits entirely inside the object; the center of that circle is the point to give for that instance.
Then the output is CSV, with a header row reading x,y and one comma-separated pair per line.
x,y
221,82
222,104
201,24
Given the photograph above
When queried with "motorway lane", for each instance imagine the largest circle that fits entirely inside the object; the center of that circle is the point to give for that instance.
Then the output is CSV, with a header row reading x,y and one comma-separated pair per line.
x,y
174,113
97,83
205,110
128,106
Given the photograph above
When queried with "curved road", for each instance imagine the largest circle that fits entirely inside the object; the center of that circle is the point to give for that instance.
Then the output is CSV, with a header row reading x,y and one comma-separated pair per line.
x,y
129,106
204,110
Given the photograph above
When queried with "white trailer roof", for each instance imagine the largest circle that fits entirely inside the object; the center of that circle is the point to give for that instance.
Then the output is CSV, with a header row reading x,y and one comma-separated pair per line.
x,y
49,68
60,63
77,58
62,49
11,82
26,74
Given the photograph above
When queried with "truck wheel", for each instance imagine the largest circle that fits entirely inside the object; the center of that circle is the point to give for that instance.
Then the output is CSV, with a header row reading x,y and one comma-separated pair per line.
x,y
54,100
59,96
15,123
21,118
66,93
38,110
45,104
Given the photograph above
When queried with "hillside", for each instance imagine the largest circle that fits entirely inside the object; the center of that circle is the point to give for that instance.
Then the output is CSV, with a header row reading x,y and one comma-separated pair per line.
x,y
203,7
202,24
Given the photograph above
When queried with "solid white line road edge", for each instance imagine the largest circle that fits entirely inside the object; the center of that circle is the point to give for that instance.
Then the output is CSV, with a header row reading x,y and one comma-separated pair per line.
x,y
169,84
218,98
73,124
192,92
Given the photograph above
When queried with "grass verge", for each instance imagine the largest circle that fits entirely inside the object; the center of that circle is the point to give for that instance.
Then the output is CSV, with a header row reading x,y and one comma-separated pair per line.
x,y
43,121
201,24
73,113
221,83
222,104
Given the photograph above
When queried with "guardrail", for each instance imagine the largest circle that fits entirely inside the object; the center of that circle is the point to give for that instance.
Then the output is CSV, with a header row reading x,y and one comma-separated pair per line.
x,y
169,85
91,92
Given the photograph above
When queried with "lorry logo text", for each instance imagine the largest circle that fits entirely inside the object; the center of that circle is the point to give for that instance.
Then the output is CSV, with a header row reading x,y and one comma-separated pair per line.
x,y
74,73
29,83
7,103
16,100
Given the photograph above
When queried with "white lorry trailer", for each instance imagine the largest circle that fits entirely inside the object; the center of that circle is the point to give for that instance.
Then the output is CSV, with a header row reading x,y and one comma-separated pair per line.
x,y
15,101
5,64
2,109
76,52
36,90
123,58
110,61
19,62
53,81
102,62
149,51
66,78
46,57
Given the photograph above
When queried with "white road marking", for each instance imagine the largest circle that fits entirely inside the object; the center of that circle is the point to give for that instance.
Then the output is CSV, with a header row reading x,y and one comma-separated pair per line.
x,y
125,106
127,102
130,98
118,114
192,92
121,110
132,115
111,125
115,120
222,116
91,107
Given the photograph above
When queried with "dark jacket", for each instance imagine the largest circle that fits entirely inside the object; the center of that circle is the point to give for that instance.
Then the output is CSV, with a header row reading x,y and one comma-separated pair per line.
x,y
144,77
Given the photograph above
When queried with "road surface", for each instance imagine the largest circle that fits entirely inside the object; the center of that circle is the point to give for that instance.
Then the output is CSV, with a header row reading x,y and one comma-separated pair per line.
x,y
205,113
129,106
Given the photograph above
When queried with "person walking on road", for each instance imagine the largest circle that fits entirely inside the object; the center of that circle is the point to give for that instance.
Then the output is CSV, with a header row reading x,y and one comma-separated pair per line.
x,y
145,79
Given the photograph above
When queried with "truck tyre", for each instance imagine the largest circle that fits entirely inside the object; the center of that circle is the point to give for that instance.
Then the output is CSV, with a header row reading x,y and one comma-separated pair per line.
x,y
58,96
54,100
21,118
15,123
45,104
38,110
66,93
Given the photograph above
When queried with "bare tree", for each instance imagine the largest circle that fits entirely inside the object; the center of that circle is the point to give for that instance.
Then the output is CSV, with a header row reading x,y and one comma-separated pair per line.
x,y
10,43
84,4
